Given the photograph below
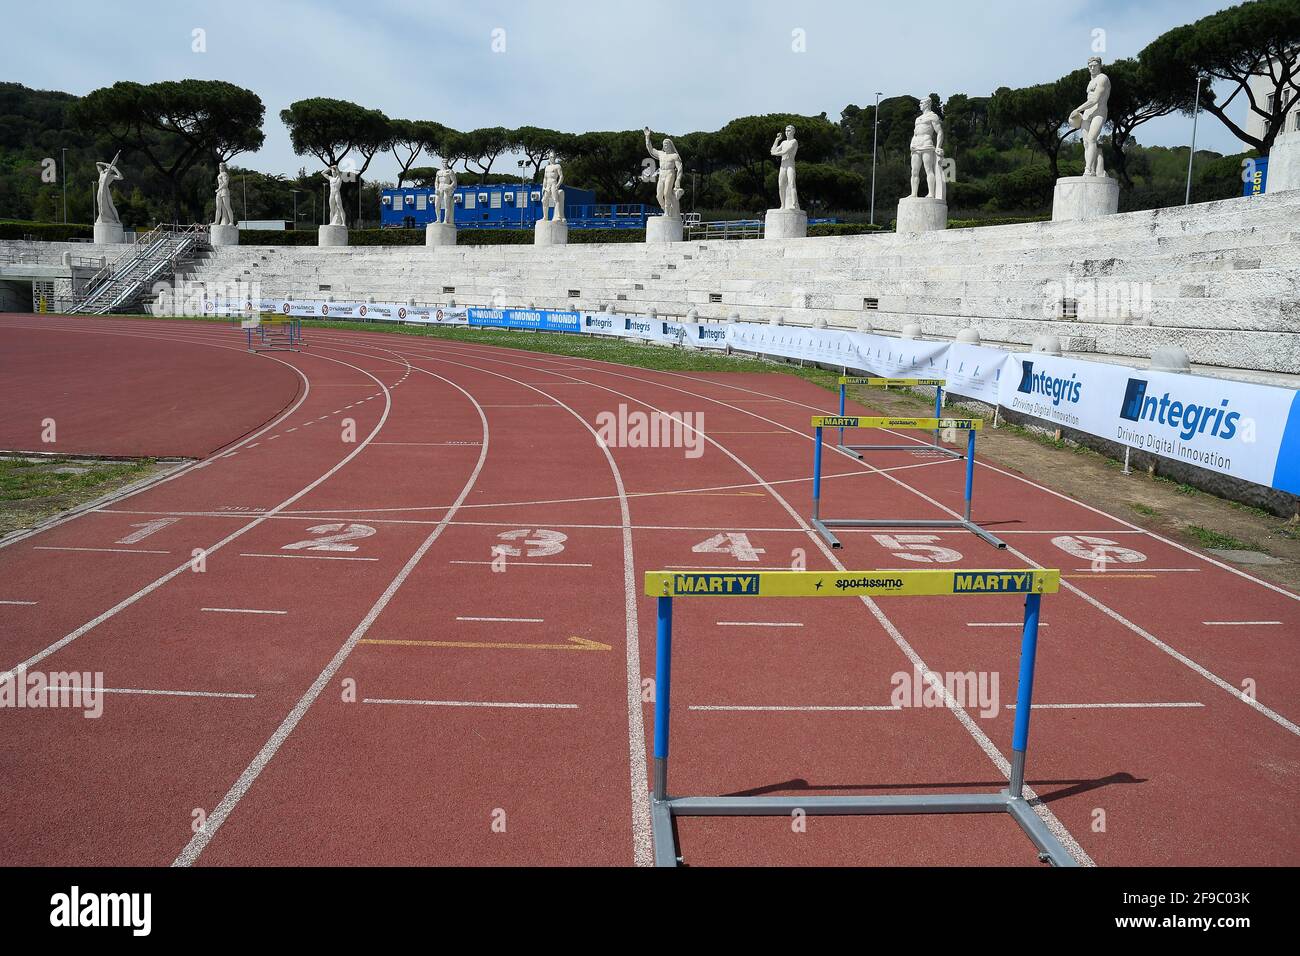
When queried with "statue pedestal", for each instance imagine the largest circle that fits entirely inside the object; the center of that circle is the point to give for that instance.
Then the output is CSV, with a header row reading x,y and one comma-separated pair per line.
x,y
785,224
1284,163
1084,197
439,234
223,235
107,232
921,214
332,236
663,229
550,232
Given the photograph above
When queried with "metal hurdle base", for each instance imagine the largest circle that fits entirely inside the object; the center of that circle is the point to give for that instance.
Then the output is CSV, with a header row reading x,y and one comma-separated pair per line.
x,y
824,526
1050,849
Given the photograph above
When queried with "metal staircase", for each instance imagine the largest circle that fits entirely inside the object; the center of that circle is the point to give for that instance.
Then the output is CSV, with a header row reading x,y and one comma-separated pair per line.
x,y
154,257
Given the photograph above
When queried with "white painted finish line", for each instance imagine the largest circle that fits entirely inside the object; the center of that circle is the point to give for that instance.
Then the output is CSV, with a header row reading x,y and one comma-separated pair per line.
x,y
46,547
760,624
304,557
1123,706
175,693
23,603
813,708
241,610
515,705
510,563
505,620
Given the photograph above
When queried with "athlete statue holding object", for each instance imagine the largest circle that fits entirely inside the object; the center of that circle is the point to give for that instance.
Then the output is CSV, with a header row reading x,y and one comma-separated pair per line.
x,y
444,195
108,174
927,151
1091,117
225,216
552,188
669,189
785,178
335,179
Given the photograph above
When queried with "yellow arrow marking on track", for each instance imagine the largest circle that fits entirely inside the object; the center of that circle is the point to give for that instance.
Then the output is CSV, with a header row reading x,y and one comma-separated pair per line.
x,y
574,644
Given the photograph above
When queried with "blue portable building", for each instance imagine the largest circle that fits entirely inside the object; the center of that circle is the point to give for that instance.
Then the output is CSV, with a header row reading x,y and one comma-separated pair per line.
x,y
507,206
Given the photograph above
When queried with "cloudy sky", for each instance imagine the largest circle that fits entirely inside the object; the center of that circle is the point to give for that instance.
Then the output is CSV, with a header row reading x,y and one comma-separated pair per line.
x,y
579,65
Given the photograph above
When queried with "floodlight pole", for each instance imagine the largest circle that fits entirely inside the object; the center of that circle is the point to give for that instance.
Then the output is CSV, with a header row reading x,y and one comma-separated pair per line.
x,y
1196,111
875,134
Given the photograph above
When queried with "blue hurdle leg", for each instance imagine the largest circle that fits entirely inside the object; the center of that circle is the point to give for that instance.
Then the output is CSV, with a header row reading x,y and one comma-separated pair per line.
x,y
843,389
970,468
663,691
817,472
938,409
1024,693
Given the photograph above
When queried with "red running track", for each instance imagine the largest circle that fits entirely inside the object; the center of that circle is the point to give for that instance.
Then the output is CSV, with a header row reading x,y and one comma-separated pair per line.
x,y
109,395
401,701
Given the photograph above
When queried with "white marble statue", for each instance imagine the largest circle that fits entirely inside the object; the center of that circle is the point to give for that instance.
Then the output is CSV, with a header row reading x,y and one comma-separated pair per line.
x,y
927,152
335,179
1091,117
108,174
669,189
552,188
785,179
224,215
444,195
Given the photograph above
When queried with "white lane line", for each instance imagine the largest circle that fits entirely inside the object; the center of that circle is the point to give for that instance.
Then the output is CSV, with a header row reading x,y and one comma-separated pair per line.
x,y
240,787
731,570
23,603
240,610
430,444
512,704
1114,706
505,620
175,693
47,547
994,754
997,623
981,738
307,557
1113,566
1228,623
531,564
542,405
814,708
759,624
642,846
255,444
183,568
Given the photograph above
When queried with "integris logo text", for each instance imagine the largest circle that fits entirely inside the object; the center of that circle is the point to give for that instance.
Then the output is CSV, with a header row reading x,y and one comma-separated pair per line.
x,y
75,908
1189,418
1057,389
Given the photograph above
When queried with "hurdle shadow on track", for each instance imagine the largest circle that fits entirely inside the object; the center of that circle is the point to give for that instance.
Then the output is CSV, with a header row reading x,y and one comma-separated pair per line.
x,y
1069,788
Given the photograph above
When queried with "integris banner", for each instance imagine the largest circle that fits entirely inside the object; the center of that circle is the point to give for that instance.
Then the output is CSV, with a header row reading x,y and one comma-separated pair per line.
x,y
1235,428
1240,429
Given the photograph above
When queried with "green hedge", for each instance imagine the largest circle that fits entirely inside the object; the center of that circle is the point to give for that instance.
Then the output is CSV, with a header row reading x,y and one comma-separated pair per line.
x,y
45,231
843,229
415,237
1005,221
